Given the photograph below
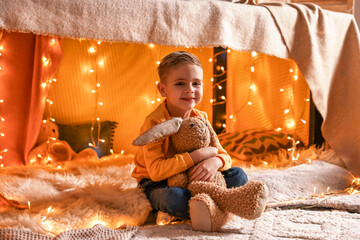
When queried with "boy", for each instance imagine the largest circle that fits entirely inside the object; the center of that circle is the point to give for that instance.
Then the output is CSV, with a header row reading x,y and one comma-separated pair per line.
x,y
181,83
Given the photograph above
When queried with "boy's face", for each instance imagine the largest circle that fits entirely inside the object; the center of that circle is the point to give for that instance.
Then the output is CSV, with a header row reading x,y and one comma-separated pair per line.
x,y
183,88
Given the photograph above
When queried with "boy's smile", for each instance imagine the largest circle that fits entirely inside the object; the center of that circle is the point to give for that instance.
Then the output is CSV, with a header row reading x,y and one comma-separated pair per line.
x,y
183,89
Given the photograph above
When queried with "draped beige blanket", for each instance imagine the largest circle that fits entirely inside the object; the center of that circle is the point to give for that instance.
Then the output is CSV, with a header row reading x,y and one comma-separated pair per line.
x,y
324,44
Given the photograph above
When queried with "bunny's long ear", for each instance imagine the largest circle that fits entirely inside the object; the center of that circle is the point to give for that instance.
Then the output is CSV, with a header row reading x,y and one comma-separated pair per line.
x,y
159,131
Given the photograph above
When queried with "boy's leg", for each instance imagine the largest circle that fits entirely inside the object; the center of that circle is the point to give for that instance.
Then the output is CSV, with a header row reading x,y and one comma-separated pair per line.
x,y
235,177
171,200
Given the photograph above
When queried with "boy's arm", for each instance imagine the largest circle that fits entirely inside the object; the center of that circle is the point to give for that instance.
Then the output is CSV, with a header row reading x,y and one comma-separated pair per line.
x,y
158,166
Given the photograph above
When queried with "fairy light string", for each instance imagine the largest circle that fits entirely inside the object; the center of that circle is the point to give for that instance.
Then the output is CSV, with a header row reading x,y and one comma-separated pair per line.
x,y
2,119
95,136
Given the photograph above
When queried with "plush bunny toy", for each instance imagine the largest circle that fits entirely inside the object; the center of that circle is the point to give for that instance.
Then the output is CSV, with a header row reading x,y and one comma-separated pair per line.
x,y
211,202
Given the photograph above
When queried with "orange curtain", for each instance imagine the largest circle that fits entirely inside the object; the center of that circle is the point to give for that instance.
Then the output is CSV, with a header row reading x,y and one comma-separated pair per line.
x,y
27,63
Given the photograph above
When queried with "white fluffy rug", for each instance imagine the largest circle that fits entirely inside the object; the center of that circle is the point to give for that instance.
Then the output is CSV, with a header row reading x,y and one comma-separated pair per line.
x,y
82,194
79,195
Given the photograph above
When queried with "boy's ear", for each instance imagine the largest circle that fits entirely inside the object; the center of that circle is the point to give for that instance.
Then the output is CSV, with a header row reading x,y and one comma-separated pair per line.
x,y
159,131
161,89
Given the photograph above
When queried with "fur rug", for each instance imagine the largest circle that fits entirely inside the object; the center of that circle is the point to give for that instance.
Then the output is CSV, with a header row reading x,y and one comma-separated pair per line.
x,y
79,195
82,194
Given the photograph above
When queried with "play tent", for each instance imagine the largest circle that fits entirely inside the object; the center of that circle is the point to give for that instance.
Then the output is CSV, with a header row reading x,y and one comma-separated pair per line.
x,y
324,45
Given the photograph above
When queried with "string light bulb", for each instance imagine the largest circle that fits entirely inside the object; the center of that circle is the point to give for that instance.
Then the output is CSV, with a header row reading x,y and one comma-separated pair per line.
x,y
91,49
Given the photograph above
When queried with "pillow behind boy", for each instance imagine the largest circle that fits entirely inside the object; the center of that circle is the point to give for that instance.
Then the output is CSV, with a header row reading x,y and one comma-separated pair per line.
x,y
247,144
79,136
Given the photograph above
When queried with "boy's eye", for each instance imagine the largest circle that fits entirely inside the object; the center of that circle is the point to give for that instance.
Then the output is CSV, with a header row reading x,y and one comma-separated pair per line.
x,y
198,84
179,84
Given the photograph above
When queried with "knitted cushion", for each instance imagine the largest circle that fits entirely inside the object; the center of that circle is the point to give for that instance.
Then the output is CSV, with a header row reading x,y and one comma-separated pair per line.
x,y
244,145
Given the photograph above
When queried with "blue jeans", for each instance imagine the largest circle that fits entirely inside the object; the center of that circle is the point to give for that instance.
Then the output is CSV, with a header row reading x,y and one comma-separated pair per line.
x,y
175,200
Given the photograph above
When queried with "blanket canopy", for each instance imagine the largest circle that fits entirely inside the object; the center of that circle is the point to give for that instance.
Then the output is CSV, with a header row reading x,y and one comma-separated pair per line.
x,y
325,45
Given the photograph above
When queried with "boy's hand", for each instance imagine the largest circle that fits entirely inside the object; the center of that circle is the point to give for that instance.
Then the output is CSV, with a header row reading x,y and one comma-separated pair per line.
x,y
203,153
206,170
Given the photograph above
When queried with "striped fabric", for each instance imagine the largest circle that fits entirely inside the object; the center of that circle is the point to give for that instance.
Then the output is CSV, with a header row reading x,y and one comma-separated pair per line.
x,y
244,145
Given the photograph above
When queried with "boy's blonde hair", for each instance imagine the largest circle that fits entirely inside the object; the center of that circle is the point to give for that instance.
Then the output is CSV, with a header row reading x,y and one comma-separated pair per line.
x,y
175,59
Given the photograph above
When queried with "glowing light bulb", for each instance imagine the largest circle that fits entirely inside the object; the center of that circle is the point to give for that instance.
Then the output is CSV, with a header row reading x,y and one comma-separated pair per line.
x,y
281,90
158,62
253,53
220,87
253,87
231,116
291,70
101,63
250,103
1,100
158,99
111,151
151,45
98,42
2,134
210,59
286,111
92,49
101,103
222,68
91,70
223,97
52,42
97,119
1,47
157,82
211,79
54,79
152,102
102,140
122,152
45,61
98,84
90,144
93,91
278,129
43,85
307,100
252,69
228,50
303,121
290,124
224,125
211,100
2,119
296,77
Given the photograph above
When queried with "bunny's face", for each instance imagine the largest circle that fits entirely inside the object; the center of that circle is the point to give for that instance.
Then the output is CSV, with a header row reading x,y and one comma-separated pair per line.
x,y
192,134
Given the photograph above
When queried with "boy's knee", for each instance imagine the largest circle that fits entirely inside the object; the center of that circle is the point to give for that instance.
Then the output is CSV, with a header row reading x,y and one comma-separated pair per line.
x,y
172,200
235,177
